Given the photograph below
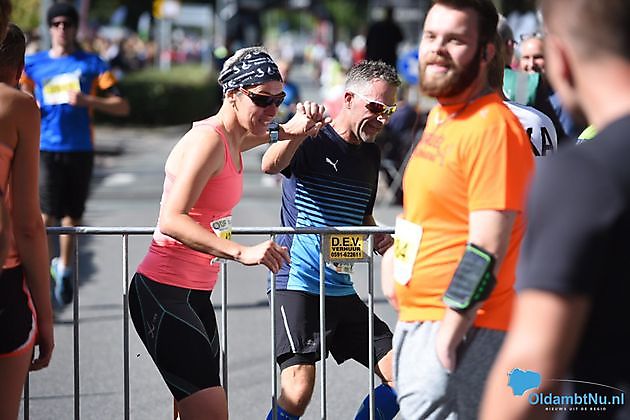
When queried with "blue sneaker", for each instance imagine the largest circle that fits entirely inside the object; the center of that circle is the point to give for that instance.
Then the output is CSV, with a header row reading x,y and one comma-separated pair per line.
x,y
63,283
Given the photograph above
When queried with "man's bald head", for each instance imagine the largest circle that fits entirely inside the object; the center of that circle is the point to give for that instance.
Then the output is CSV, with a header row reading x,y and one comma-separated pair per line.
x,y
532,55
594,28
507,38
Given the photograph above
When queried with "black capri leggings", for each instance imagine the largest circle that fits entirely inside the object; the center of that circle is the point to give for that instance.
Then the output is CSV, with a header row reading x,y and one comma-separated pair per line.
x,y
179,330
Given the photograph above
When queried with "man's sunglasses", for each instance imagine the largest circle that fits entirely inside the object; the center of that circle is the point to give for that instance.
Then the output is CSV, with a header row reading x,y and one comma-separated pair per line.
x,y
65,23
264,101
377,107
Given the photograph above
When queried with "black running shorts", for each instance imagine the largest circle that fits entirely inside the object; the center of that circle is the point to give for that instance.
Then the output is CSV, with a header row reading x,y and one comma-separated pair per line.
x,y
179,330
17,318
297,329
64,183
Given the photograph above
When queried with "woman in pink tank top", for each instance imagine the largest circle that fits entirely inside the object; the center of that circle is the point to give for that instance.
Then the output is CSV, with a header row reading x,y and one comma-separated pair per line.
x,y
26,318
169,296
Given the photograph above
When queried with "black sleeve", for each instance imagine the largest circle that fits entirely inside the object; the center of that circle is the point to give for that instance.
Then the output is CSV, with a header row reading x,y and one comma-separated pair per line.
x,y
375,158
113,90
296,160
573,206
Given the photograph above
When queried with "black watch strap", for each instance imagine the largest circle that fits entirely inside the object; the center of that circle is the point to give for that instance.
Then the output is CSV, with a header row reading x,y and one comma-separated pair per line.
x,y
274,132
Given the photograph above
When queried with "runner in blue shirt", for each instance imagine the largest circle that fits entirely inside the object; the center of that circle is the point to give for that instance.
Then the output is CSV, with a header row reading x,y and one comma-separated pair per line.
x,y
65,82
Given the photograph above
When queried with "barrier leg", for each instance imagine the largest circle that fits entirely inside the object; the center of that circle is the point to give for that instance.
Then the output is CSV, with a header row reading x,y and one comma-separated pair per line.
x,y
322,325
75,325
274,370
27,396
224,329
125,298
370,252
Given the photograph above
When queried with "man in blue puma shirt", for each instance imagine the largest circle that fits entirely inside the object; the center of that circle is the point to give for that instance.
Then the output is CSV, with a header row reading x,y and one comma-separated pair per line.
x,y
331,180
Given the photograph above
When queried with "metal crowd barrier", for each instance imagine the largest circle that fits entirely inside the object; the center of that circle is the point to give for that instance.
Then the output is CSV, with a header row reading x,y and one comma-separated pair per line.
x,y
325,234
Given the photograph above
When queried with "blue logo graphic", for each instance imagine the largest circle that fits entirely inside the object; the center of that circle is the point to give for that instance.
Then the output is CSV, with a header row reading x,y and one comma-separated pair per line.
x,y
604,396
523,380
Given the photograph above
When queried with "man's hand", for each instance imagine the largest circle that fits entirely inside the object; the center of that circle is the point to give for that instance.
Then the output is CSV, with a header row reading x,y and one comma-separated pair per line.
x,y
388,284
453,329
382,242
307,121
446,348
77,98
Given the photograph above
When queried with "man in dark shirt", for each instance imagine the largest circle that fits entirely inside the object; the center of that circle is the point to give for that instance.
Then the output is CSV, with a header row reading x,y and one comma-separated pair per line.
x,y
383,38
331,180
571,319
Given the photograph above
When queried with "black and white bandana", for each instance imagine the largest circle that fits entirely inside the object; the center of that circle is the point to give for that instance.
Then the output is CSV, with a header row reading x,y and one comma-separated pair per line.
x,y
253,68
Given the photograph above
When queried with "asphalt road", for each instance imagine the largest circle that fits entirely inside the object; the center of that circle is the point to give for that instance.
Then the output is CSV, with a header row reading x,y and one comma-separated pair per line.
x,y
126,192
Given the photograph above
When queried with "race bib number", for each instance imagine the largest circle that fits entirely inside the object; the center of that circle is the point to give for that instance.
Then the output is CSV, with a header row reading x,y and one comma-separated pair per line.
x,y
57,90
222,227
406,245
342,268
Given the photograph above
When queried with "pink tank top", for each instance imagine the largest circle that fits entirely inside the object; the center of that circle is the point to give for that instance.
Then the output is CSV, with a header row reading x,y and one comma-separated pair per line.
x,y
6,160
169,261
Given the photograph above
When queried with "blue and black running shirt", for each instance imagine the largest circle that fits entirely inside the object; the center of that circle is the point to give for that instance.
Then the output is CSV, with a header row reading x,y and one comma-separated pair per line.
x,y
65,127
328,183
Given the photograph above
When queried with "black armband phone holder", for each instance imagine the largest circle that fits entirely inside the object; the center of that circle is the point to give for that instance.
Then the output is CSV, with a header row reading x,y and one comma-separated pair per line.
x,y
473,280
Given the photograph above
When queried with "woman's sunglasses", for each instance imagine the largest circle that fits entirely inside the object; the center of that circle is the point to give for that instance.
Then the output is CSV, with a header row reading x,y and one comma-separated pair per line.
x,y
376,107
264,101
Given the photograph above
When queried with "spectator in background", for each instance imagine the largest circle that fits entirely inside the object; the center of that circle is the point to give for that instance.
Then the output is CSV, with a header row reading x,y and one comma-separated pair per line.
x,y
532,61
570,321
357,45
396,141
539,127
332,85
26,318
292,91
63,81
509,43
518,86
532,53
383,38
528,89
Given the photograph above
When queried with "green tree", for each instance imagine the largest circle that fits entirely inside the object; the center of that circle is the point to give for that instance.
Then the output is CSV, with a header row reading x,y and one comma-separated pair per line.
x,y
26,14
349,15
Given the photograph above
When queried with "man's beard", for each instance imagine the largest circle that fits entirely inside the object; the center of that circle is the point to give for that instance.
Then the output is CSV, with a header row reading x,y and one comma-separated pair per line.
x,y
453,82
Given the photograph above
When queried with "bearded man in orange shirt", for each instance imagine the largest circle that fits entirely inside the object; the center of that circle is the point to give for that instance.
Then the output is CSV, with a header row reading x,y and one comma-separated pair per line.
x,y
452,269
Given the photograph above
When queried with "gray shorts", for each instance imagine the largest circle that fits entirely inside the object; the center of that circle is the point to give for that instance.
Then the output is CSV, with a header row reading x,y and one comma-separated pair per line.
x,y
426,390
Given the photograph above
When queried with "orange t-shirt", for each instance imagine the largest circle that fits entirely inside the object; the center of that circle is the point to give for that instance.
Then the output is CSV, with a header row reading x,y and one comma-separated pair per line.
x,y
478,158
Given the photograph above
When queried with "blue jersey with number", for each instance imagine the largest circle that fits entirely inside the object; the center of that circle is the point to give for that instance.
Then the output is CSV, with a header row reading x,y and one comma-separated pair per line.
x,y
65,127
328,183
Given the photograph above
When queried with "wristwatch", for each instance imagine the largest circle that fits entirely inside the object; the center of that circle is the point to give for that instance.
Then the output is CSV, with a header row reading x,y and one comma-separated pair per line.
x,y
274,132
